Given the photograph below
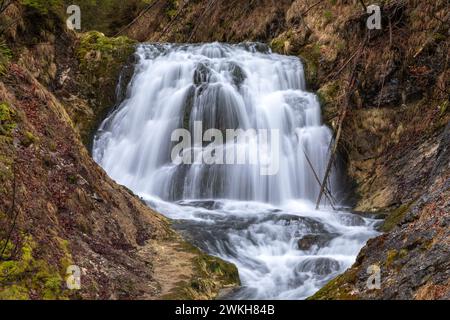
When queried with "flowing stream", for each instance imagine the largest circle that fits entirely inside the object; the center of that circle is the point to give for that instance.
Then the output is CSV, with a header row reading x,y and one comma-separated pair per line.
x,y
259,215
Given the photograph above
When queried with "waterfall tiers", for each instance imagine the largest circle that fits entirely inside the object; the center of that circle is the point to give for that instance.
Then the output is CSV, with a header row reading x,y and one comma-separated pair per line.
x,y
264,223
223,87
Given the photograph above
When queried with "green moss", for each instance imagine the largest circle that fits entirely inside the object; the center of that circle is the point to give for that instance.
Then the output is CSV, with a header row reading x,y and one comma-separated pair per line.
x,y
443,108
310,55
5,57
9,246
338,288
403,253
218,268
210,274
28,139
395,217
72,179
172,8
97,41
328,16
328,93
52,146
26,274
14,292
277,45
52,287
172,13
7,123
66,259
42,6
100,59
391,257
438,37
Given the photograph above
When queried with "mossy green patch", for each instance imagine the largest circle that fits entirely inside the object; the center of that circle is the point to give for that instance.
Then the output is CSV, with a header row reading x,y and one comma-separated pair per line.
x,y
328,96
277,45
395,217
25,274
42,6
328,92
328,16
101,59
338,288
72,179
14,292
403,253
7,122
5,56
66,259
109,47
310,55
391,257
210,274
172,8
443,108
28,139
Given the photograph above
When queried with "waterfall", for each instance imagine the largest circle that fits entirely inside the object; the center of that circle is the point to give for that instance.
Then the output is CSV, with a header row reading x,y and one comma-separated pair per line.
x,y
233,209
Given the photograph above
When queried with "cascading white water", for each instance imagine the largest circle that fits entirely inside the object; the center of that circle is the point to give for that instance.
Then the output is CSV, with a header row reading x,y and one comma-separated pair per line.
x,y
232,210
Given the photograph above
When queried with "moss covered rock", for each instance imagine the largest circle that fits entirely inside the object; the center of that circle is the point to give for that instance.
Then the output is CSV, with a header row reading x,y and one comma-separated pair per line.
x,y
5,56
209,275
7,122
395,217
101,60
338,289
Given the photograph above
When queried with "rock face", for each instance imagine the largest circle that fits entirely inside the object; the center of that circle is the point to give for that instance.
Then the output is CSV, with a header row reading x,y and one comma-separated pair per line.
x,y
57,207
310,240
394,141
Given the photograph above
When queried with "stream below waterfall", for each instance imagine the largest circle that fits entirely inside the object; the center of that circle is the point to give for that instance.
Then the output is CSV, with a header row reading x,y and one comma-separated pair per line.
x,y
263,222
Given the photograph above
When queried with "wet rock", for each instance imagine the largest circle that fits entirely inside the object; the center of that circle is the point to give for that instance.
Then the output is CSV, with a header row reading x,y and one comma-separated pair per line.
x,y
237,73
352,220
320,240
202,74
187,107
319,266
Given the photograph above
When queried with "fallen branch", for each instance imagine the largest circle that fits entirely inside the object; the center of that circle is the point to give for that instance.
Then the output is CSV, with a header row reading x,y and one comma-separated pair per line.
x,y
327,190
171,22
310,7
357,51
350,90
330,161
